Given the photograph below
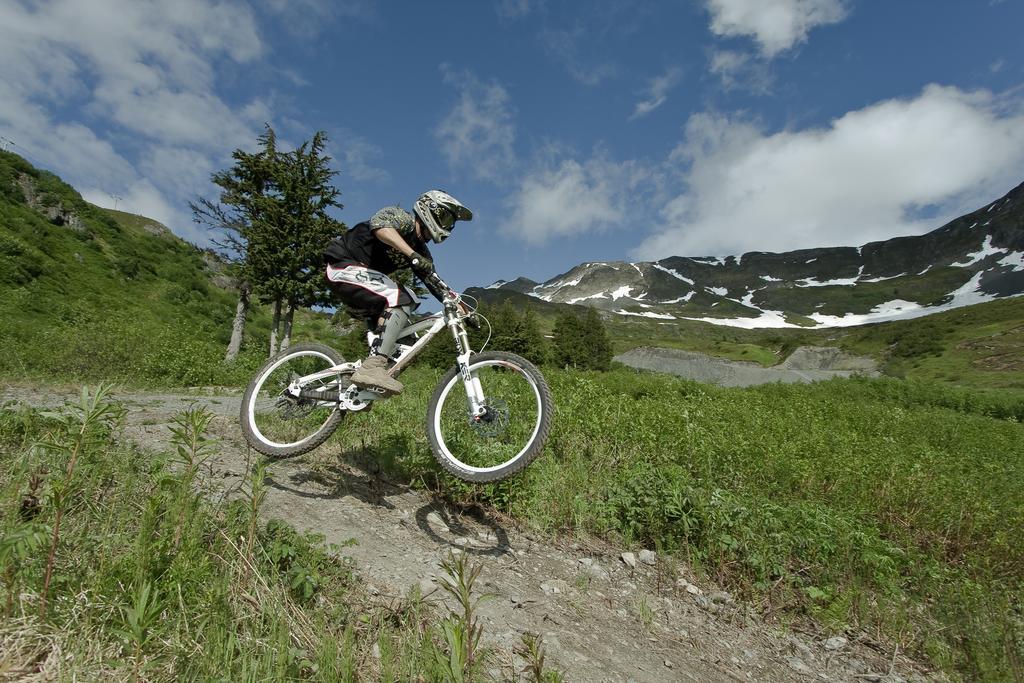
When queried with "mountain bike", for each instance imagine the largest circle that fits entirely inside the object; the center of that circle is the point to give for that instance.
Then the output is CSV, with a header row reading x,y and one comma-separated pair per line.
x,y
488,417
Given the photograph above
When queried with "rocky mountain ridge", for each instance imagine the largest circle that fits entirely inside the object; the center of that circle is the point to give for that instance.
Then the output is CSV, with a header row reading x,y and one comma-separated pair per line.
x,y
977,257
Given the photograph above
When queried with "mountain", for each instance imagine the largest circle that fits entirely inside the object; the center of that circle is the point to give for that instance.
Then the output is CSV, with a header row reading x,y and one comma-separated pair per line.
x,y
977,257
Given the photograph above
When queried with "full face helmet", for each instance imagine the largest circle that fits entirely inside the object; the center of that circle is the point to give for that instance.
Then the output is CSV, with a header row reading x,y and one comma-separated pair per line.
x,y
438,211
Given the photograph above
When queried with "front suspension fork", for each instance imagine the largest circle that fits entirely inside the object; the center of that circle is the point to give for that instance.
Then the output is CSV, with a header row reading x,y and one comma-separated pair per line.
x,y
471,383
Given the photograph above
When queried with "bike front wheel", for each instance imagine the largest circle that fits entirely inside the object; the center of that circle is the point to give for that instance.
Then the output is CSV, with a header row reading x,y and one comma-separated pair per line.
x,y
511,432
279,424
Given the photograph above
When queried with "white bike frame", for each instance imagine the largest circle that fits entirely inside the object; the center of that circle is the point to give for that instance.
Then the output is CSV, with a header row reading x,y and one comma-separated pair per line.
x,y
354,399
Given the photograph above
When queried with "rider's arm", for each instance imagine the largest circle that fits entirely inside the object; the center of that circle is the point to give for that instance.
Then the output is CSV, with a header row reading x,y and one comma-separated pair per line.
x,y
393,238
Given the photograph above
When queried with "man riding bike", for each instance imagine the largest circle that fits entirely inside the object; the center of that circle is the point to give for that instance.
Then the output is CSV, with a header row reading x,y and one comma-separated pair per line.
x,y
359,262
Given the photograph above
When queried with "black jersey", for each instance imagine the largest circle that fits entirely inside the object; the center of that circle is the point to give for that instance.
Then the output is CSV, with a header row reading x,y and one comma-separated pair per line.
x,y
360,245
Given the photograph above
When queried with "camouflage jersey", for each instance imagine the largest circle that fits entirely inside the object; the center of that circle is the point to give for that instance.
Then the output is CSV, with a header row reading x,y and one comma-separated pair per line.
x,y
360,244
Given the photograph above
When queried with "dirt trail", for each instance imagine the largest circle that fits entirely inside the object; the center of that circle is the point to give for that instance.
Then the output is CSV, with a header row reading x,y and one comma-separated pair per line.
x,y
602,619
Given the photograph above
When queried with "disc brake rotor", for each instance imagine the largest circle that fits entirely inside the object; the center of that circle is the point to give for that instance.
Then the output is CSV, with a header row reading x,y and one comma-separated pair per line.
x,y
494,421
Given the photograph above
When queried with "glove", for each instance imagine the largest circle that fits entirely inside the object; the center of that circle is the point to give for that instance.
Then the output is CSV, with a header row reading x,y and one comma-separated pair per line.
x,y
421,265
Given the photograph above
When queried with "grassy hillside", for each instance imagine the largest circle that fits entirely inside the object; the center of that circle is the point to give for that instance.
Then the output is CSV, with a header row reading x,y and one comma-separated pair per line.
x,y
114,296
878,504
981,346
978,346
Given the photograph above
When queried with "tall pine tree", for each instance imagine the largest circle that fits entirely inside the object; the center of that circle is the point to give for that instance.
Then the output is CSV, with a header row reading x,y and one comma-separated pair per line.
x,y
300,228
238,219
518,332
273,221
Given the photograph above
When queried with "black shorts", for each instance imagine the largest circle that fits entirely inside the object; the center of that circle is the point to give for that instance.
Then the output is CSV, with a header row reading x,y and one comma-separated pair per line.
x,y
365,291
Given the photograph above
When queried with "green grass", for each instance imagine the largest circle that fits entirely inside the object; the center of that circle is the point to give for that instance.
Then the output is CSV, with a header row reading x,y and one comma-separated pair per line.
x,y
121,565
115,301
980,346
878,504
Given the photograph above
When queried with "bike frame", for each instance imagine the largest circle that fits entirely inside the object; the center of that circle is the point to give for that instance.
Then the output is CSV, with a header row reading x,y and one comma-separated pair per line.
x,y
353,398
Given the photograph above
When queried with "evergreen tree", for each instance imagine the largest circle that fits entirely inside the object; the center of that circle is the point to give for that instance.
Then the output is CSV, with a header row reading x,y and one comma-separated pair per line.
x,y
509,330
534,345
504,320
518,332
567,341
273,223
598,345
238,220
299,227
582,342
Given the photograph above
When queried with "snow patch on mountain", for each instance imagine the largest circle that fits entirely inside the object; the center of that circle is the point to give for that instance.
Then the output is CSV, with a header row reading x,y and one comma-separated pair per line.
x,y
1015,259
646,314
682,299
622,291
709,260
889,310
811,282
767,319
674,273
561,283
977,257
897,309
599,295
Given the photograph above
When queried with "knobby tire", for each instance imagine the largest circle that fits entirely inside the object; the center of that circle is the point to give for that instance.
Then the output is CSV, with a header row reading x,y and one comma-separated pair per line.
x,y
450,461
247,418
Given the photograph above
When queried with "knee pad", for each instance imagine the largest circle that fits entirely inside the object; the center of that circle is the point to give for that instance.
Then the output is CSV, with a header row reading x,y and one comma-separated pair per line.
x,y
394,321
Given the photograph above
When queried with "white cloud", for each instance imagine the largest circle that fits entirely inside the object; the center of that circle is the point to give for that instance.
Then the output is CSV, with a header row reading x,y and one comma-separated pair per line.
x,y
566,47
355,155
864,177
777,25
88,85
478,133
124,96
657,92
738,71
562,197
170,165
144,199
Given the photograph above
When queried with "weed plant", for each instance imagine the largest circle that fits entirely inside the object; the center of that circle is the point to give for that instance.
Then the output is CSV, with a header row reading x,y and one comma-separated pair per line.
x,y
866,503
120,565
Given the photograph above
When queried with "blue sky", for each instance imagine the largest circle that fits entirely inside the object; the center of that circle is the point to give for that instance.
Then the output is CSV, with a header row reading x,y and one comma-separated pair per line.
x,y
577,131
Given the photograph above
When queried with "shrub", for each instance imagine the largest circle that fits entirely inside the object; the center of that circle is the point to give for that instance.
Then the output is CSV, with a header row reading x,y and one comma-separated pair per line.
x,y
581,343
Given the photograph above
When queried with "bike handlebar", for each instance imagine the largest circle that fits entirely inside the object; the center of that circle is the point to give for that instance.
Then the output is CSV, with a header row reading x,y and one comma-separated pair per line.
x,y
438,287
448,296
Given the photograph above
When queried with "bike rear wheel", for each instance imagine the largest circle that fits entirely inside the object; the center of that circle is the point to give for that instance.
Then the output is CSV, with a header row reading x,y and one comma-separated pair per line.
x,y
281,425
508,436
